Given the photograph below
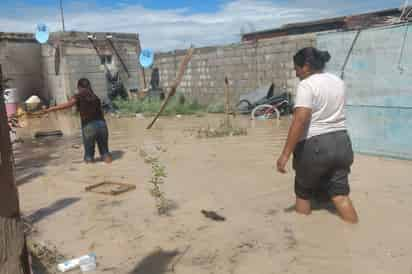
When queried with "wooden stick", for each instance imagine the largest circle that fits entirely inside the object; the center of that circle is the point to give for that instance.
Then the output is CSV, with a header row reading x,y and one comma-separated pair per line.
x,y
119,57
226,96
173,88
227,101
100,57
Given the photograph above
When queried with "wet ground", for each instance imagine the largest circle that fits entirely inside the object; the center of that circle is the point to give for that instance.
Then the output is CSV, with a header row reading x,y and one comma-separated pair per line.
x,y
233,176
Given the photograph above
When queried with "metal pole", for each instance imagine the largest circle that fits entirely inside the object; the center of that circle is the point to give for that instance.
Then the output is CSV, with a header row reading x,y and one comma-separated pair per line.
x,y
342,74
62,14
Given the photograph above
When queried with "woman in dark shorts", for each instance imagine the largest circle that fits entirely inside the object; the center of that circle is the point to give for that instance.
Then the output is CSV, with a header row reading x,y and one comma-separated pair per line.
x,y
94,128
318,139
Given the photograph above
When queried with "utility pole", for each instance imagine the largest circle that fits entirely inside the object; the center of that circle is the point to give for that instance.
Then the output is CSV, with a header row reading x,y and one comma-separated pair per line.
x,y
62,15
14,257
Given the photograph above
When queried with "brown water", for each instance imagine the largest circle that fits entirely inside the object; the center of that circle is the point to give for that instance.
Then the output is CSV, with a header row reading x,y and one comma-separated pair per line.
x,y
233,176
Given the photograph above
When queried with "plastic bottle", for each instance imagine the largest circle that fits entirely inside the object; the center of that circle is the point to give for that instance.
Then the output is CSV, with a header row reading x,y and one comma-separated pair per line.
x,y
88,261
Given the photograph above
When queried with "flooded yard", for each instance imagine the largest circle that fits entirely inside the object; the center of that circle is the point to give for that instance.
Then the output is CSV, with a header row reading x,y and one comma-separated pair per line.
x,y
234,176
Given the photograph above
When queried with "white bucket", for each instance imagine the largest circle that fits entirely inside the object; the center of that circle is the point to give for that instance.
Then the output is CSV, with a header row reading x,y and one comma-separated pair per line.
x,y
11,96
11,101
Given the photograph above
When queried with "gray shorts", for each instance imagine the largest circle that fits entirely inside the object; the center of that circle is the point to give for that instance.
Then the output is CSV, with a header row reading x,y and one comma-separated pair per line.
x,y
322,163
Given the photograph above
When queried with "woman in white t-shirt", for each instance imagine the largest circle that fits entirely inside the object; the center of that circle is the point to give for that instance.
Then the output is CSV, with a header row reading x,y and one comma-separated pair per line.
x,y
321,147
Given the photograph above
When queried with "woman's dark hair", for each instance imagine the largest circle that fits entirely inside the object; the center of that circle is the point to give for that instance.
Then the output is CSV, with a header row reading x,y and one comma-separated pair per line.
x,y
85,83
315,58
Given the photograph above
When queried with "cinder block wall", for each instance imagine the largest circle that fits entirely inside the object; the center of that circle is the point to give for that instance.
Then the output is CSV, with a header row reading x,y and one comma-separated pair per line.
x,y
78,59
21,61
248,66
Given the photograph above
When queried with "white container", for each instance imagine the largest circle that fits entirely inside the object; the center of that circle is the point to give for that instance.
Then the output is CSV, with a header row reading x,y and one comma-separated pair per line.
x,y
33,103
11,101
11,97
75,263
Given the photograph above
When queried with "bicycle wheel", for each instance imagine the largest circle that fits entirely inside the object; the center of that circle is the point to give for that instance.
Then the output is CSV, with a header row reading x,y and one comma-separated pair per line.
x,y
265,112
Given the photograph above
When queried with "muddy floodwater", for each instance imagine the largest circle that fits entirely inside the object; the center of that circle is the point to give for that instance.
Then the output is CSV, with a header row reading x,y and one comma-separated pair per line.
x,y
233,176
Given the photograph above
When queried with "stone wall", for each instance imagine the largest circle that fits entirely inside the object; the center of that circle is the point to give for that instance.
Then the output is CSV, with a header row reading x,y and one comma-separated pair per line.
x,y
247,66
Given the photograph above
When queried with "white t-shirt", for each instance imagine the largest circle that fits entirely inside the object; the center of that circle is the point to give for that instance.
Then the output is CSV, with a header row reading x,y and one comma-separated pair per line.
x,y
324,93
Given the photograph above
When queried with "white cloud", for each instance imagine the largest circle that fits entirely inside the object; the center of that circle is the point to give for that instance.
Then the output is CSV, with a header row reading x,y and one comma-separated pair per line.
x,y
169,29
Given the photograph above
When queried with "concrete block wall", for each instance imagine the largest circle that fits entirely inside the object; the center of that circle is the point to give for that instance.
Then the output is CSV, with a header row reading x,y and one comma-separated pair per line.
x,y
21,61
32,66
83,62
54,86
78,59
247,66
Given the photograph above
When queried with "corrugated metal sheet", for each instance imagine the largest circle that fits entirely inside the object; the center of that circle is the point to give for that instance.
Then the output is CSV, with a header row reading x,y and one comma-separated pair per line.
x,y
352,22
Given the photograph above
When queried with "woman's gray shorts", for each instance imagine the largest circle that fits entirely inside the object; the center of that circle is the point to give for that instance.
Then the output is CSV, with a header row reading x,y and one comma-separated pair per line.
x,y
322,163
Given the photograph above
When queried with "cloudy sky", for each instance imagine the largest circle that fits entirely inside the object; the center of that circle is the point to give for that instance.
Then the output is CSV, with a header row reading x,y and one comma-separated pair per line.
x,y
173,24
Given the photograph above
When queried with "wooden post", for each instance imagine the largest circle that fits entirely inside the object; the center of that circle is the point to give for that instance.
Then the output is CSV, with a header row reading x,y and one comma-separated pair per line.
x,y
14,257
227,102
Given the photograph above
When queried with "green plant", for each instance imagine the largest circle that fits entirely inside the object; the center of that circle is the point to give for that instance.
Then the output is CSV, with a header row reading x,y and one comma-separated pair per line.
x,y
158,176
150,106
224,129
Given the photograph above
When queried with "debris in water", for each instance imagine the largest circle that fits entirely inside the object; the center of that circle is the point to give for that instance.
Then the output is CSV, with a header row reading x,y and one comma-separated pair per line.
x,y
224,129
86,263
151,152
49,256
216,133
213,215
41,134
110,188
